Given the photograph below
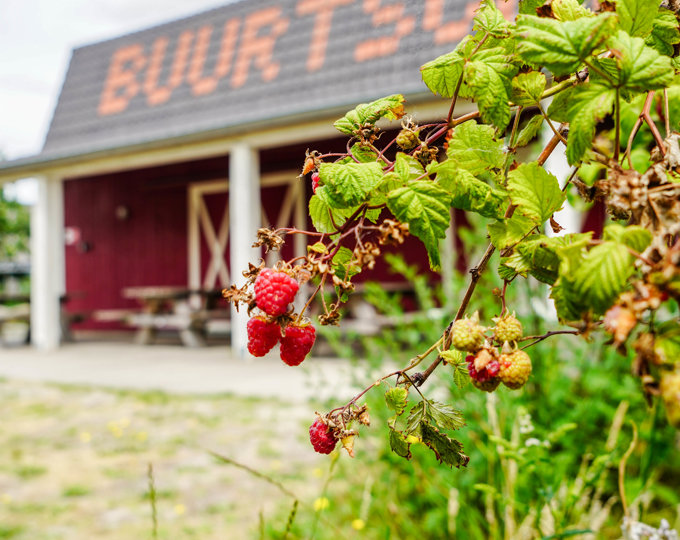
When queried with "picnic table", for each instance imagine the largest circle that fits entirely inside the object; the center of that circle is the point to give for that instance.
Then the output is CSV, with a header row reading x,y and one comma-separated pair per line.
x,y
185,311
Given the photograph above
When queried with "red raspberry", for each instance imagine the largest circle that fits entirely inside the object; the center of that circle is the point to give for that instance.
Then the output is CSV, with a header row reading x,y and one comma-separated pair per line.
x,y
262,336
296,344
321,437
315,181
274,290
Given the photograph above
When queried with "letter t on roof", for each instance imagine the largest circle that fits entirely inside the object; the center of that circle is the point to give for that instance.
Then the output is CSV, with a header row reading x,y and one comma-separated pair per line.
x,y
322,27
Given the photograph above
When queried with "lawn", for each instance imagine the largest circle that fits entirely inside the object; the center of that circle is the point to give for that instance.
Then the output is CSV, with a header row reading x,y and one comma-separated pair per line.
x,y
75,462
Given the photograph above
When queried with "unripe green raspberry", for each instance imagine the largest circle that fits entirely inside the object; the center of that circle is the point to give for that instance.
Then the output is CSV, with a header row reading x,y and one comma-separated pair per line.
x,y
407,139
467,335
515,369
670,392
489,385
508,328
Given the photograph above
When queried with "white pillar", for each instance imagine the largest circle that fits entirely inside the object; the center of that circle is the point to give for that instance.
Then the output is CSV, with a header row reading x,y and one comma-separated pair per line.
x,y
47,263
244,220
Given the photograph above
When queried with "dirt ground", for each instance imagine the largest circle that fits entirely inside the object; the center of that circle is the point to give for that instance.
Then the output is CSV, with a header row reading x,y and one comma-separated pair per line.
x,y
74,463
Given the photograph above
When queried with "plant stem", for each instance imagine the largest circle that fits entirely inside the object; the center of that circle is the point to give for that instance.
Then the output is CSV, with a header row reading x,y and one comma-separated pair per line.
x,y
617,125
476,275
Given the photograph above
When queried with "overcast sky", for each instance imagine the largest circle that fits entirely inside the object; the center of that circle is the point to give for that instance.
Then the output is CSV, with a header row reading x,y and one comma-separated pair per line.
x,y
36,39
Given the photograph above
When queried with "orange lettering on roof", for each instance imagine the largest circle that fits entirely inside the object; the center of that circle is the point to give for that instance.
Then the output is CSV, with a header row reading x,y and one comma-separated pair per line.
x,y
156,94
259,48
322,27
200,84
121,81
384,46
446,32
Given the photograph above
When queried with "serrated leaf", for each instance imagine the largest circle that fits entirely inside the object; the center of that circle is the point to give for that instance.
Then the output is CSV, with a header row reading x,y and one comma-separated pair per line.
x,y
602,275
415,417
407,167
441,75
641,67
507,232
444,416
489,18
636,17
399,445
467,192
390,107
364,154
424,205
634,236
320,211
535,192
567,302
665,32
589,104
474,147
558,110
460,375
667,342
448,451
529,131
396,399
349,184
527,88
528,7
569,10
344,264
562,46
487,76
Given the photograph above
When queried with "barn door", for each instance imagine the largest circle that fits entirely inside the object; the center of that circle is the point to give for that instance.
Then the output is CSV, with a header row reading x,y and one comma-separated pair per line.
x,y
283,205
208,235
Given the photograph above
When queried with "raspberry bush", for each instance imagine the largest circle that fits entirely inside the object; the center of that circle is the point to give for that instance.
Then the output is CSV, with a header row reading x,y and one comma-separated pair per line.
x,y
603,83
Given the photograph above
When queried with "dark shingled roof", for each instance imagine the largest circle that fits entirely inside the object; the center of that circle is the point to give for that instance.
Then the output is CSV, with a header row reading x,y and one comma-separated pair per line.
x,y
117,93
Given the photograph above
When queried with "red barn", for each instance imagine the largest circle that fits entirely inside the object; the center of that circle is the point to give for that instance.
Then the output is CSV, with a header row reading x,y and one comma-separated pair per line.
x,y
170,146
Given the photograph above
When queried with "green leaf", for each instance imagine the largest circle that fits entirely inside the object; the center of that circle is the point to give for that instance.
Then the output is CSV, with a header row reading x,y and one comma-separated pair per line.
x,y
441,75
399,445
425,207
507,232
407,167
344,265
444,416
665,32
447,451
467,192
527,88
460,375
589,104
490,19
416,416
641,67
667,342
396,399
559,46
569,10
474,147
320,211
602,275
535,191
636,17
349,184
367,114
528,7
487,76
456,359
362,153
634,236
529,131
